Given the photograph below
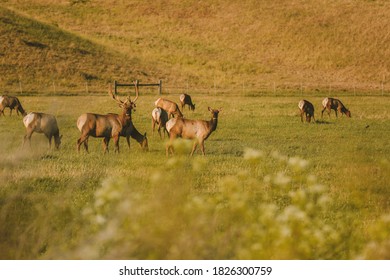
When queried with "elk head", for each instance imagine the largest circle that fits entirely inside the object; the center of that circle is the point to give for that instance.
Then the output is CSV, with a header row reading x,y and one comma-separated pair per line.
x,y
127,105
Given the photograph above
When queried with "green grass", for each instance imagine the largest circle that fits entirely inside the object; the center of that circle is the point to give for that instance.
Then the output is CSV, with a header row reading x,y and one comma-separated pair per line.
x,y
45,195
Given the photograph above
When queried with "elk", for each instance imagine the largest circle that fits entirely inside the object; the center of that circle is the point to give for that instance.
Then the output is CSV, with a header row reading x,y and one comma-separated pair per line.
x,y
107,126
42,123
336,105
11,102
198,130
159,117
185,99
306,109
132,132
169,106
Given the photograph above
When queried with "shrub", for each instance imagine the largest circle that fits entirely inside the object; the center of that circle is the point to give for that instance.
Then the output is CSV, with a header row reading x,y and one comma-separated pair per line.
x,y
262,213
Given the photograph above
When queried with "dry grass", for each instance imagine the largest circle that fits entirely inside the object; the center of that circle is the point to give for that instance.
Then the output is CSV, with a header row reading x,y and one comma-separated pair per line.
x,y
342,43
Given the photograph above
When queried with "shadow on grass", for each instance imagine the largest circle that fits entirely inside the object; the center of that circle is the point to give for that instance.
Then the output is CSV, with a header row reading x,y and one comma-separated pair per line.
x,y
322,122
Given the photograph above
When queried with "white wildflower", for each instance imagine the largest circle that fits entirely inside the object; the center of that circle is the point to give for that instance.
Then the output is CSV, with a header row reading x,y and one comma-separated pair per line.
x,y
281,179
252,155
100,220
297,164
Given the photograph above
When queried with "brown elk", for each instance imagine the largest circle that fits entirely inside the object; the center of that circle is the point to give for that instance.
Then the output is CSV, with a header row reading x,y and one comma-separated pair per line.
x,y
198,130
107,126
11,102
159,117
185,99
336,105
42,123
169,106
132,132
306,109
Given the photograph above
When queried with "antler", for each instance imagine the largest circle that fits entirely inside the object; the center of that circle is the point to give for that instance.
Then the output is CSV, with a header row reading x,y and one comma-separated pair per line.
x,y
116,98
128,100
136,91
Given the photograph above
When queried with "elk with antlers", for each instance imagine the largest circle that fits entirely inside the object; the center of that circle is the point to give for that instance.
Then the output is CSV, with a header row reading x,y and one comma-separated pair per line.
x,y
159,117
306,109
198,130
185,99
336,105
169,106
107,126
11,102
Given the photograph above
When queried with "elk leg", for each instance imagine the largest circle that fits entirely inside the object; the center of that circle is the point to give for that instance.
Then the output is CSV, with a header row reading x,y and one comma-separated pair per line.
x,y
169,147
81,140
202,147
49,137
116,143
128,140
159,130
106,141
194,147
153,126
328,110
27,137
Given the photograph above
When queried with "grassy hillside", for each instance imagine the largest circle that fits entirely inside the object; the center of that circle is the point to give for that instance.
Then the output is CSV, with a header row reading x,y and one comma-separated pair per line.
x,y
230,44
36,56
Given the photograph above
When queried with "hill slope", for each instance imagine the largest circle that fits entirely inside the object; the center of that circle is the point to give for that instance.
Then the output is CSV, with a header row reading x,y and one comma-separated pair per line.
x,y
234,43
34,55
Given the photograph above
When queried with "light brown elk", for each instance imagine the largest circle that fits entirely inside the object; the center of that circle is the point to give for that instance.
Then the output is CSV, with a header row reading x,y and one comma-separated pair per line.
x,y
169,106
107,126
199,130
336,105
11,102
42,123
159,117
306,109
185,99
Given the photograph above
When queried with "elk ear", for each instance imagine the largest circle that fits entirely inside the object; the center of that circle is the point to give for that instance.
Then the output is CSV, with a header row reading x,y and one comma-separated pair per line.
x,y
210,109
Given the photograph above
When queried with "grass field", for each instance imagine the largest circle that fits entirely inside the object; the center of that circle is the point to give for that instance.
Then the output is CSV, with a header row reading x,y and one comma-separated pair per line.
x,y
269,186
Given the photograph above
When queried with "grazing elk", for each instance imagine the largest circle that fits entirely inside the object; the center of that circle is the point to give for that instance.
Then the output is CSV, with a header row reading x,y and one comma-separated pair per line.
x,y
132,132
336,105
11,102
107,126
198,130
306,109
42,123
159,117
169,106
185,99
